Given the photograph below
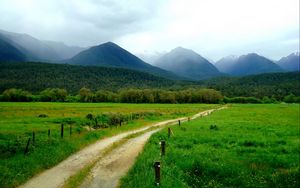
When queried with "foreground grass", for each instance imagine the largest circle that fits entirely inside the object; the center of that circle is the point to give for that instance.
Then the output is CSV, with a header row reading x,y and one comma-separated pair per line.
x,y
18,120
251,146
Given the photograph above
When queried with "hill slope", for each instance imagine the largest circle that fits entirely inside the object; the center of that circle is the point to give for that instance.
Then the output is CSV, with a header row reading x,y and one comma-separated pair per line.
x,y
268,84
291,62
187,63
9,53
38,76
112,55
37,50
247,65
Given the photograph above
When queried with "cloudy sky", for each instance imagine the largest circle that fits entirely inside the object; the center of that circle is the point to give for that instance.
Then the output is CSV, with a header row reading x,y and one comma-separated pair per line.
x,y
213,28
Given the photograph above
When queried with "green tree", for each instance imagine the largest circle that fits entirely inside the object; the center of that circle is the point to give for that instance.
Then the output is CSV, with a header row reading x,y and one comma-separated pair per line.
x,y
85,95
16,95
54,95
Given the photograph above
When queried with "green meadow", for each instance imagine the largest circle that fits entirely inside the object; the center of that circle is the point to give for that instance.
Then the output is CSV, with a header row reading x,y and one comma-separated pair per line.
x,y
243,146
19,120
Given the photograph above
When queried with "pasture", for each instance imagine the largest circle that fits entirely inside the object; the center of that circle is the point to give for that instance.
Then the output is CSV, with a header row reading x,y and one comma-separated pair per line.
x,y
243,146
84,123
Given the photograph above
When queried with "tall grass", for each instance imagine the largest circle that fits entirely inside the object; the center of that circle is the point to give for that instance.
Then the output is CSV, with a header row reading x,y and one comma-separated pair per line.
x,y
242,146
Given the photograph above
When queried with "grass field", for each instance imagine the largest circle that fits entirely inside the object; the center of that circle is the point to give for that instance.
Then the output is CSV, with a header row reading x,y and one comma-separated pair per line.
x,y
19,120
251,146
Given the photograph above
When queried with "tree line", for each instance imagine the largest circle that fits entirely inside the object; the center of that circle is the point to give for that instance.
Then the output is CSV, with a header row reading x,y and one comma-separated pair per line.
x,y
123,96
190,95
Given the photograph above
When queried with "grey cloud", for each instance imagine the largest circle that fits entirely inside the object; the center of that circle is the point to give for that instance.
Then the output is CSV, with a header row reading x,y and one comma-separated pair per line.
x,y
83,22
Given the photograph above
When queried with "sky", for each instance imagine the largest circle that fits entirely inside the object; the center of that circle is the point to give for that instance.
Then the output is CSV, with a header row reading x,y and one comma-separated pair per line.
x,y
212,28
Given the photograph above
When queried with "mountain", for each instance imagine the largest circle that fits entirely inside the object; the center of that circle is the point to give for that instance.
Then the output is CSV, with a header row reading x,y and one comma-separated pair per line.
x,y
247,65
226,63
9,53
187,63
35,77
64,51
291,62
37,50
112,55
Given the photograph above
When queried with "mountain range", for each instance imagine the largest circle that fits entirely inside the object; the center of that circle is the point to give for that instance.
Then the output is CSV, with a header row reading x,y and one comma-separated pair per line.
x,y
179,63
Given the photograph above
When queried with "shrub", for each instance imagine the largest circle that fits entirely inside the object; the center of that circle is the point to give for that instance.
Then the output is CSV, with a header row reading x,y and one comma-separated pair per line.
x,y
16,95
53,95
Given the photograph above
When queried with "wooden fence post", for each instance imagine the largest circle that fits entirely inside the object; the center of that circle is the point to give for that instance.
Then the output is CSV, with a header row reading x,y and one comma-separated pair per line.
x,y
163,147
27,146
62,131
157,172
33,138
179,123
48,133
169,132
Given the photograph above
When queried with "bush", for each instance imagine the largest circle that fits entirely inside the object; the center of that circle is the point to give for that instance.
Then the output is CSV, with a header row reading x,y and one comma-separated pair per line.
x,y
53,95
16,95
291,99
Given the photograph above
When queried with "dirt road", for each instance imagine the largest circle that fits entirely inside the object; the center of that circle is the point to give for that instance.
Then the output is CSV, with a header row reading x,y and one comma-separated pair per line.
x,y
108,171
56,176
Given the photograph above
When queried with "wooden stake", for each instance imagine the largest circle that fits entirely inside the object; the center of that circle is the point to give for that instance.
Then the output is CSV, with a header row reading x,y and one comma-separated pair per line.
x,y
48,133
163,147
27,146
62,131
157,172
179,123
169,132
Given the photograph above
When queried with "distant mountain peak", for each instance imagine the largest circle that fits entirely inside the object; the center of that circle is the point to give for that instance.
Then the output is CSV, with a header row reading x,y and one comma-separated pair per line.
x,y
182,50
290,62
110,54
187,63
248,64
109,43
179,48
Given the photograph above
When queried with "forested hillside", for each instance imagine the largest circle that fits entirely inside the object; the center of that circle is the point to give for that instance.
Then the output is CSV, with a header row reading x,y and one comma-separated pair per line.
x,y
271,84
36,77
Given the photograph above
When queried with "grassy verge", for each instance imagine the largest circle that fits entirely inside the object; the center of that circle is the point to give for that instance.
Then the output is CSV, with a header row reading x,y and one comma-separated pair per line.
x,y
18,120
250,146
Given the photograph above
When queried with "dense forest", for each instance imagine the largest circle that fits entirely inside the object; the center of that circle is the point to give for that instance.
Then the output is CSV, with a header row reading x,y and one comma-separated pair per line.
x,y
35,78
276,85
